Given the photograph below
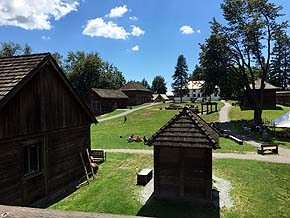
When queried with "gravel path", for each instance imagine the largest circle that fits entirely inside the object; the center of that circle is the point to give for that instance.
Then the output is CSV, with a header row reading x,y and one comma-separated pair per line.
x,y
224,188
127,112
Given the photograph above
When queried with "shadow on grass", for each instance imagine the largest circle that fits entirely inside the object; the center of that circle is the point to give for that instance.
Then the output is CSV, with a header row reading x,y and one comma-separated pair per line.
x,y
169,208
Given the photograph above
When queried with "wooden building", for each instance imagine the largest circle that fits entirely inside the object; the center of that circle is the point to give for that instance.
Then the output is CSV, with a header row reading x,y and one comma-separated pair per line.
x,y
183,158
269,101
44,126
102,101
137,93
283,98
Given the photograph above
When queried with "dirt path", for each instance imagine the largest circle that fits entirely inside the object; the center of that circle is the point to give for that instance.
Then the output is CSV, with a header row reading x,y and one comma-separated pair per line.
x,y
266,158
128,111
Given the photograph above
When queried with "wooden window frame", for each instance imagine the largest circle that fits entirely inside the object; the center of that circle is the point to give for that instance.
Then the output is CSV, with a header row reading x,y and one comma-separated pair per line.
x,y
27,159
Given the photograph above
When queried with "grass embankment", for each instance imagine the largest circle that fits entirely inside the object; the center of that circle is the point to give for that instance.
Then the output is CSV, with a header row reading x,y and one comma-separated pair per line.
x,y
240,118
259,190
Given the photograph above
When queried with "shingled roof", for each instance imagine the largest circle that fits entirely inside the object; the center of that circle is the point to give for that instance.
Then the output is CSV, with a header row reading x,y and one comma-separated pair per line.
x,y
109,93
16,71
267,85
134,86
186,129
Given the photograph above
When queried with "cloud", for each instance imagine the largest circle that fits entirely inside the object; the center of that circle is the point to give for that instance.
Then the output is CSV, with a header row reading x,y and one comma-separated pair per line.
x,y
45,37
135,48
187,30
198,31
133,18
34,14
137,31
98,27
118,11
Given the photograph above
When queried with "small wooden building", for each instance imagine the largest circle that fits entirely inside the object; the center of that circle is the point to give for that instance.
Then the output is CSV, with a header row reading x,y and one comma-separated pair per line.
x,y
283,98
160,98
44,126
102,101
183,158
269,101
137,93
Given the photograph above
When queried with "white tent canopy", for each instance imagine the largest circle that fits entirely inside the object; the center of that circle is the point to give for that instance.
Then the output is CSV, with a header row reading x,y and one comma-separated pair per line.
x,y
282,121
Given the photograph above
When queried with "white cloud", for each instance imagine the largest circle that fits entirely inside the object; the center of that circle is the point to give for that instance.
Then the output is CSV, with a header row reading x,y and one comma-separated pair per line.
x,y
45,37
186,30
135,48
198,31
34,14
133,18
118,11
98,27
137,31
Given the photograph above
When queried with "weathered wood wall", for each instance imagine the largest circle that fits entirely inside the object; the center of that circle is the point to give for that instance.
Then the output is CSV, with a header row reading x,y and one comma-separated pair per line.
x,y
283,98
137,97
268,103
46,111
182,172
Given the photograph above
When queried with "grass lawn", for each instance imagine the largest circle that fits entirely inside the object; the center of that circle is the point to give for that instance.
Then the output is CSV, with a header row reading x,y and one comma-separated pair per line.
x,y
145,122
113,113
236,114
259,190
229,146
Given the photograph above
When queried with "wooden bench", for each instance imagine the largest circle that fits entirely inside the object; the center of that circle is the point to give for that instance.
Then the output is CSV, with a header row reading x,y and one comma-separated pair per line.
x,y
235,139
98,155
268,147
144,176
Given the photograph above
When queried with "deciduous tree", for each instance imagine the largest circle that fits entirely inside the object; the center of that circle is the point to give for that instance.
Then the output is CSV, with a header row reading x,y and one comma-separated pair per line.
x,y
159,85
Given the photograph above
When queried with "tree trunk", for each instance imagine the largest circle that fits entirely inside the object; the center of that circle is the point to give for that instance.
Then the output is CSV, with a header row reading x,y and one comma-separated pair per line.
x,y
258,115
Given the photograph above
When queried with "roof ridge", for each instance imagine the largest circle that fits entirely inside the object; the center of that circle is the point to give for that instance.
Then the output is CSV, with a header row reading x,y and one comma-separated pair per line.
x,y
27,55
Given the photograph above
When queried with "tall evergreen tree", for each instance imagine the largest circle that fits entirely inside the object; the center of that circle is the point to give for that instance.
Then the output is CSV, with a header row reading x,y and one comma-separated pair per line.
x,y
180,78
145,83
251,25
159,85
280,64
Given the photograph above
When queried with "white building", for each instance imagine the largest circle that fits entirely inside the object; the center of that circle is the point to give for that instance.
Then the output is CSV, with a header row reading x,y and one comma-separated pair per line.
x,y
195,92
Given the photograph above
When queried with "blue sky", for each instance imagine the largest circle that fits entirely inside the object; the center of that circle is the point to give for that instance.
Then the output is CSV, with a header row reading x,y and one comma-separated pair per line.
x,y
143,38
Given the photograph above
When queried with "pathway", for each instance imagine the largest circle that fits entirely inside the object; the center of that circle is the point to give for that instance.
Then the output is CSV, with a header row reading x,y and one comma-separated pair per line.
x,y
284,153
127,112
266,158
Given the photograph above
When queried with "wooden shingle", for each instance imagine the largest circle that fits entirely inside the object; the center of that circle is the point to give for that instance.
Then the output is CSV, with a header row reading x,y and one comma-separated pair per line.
x,y
186,129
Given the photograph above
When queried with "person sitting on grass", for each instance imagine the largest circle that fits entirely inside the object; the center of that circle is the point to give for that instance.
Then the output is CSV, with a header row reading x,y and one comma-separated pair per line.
x,y
131,138
138,139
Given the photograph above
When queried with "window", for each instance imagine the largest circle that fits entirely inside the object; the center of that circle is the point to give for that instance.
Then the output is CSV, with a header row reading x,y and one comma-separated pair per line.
x,y
194,95
32,158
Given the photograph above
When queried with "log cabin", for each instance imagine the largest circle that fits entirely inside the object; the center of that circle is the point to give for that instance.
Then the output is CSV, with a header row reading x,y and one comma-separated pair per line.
x,y
137,93
102,101
183,158
44,126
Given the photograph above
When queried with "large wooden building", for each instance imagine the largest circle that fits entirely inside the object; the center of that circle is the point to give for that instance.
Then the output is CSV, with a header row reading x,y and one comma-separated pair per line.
x,y
102,101
137,93
183,158
44,126
269,93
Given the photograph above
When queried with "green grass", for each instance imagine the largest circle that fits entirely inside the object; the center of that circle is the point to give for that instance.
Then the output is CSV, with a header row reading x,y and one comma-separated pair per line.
x,y
145,122
114,190
260,189
113,113
229,146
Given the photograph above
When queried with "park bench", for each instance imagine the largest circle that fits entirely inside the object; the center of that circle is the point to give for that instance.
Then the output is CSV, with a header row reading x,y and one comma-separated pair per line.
x,y
144,176
98,154
235,139
268,147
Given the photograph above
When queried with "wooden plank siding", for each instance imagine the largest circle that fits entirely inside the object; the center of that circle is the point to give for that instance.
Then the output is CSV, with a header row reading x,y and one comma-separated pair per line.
x,y
43,110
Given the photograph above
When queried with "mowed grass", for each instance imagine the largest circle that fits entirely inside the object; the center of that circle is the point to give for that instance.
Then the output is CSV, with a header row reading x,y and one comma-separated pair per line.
x,y
229,146
114,190
260,189
113,133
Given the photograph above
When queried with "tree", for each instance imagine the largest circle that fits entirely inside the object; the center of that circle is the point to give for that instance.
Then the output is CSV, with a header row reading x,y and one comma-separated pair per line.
x,y
10,49
145,83
88,70
280,64
159,85
249,33
214,64
180,77
197,74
